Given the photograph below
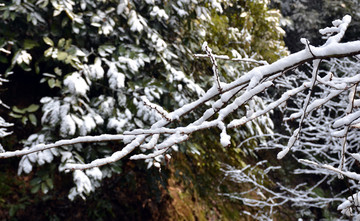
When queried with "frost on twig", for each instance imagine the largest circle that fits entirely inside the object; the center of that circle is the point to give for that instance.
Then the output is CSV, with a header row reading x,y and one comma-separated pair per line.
x,y
339,27
225,57
227,98
297,132
351,175
300,196
345,131
239,86
156,107
215,67
60,143
3,124
321,100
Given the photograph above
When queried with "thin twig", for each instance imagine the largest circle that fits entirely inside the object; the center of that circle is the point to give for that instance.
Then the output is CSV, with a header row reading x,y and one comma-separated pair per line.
x,y
214,66
225,57
348,111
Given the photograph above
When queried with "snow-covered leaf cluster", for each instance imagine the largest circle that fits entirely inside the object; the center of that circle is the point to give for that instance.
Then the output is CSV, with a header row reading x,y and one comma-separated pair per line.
x,y
130,74
115,66
3,124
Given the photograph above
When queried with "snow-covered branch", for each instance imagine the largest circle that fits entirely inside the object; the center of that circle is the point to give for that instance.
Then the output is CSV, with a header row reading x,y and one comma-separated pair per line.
x,y
225,57
215,67
60,143
267,199
320,104
226,98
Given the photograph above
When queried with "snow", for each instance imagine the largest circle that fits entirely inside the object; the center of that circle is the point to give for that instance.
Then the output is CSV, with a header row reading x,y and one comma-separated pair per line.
x,y
23,57
347,207
243,98
95,70
51,110
255,79
266,70
44,156
217,5
132,64
68,126
159,43
148,156
340,133
89,123
122,6
114,157
24,165
76,84
65,155
94,173
152,142
157,108
134,22
180,76
347,120
340,27
351,47
83,183
179,11
282,153
160,13
225,138
356,156
162,136
117,124
80,139
157,164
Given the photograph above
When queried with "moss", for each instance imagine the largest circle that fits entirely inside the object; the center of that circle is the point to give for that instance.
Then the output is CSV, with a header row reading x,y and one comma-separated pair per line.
x,y
186,204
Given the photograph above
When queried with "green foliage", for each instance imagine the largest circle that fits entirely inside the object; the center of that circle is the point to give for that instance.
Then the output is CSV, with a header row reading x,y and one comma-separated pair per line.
x,y
250,28
97,58
305,18
13,196
25,114
42,181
